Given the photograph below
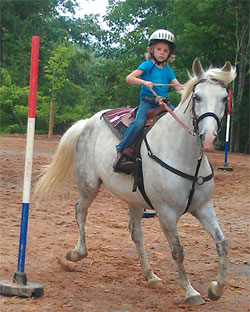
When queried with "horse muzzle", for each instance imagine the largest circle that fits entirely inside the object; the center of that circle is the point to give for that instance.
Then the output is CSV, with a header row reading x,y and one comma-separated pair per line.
x,y
209,134
208,142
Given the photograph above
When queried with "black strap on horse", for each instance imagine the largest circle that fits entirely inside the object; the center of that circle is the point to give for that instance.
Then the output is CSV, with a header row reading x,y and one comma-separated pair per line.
x,y
195,179
138,174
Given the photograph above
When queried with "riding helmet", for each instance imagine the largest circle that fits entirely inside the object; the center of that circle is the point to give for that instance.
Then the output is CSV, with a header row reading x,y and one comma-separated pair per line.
x,y
162,35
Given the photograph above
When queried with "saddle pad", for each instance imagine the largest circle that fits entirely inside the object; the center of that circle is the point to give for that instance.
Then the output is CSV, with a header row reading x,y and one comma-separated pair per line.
x,y
115,115
114,120
119,119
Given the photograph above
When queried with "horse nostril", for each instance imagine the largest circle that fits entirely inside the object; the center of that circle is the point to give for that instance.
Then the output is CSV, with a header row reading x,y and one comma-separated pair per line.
x,y
202,137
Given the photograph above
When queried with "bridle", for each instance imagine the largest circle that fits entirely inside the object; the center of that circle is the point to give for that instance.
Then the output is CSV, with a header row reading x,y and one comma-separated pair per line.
x,y
196,119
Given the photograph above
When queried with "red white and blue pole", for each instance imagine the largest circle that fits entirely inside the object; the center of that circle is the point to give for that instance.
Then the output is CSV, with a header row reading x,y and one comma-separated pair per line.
x,y
29,152
19,285
228,124
227,132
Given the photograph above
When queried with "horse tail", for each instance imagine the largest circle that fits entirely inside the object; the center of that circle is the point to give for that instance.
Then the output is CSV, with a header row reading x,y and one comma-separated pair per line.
x,y
62,165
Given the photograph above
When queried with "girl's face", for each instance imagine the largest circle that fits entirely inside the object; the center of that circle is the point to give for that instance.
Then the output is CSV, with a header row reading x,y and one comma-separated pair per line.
x,y
161,51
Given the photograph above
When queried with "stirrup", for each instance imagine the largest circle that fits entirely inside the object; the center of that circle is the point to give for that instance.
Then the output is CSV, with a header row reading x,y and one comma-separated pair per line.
x,y
121,165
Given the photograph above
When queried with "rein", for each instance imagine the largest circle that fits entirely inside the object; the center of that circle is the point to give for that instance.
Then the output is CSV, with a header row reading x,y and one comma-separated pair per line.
x,y
169,110
196,120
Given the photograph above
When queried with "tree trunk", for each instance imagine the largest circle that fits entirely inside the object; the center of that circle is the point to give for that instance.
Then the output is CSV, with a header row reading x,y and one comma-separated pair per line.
x,y
52,108
51,119
241,55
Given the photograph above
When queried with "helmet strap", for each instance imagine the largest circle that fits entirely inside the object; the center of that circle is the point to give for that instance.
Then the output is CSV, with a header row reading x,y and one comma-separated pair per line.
x,y
158,62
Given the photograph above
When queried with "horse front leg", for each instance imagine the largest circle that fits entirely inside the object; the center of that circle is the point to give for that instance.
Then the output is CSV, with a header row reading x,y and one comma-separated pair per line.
x,y
136,232
169,227
206,215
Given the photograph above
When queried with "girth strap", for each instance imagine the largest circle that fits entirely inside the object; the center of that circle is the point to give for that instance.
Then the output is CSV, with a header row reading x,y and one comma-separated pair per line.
x,y
138,173
191,193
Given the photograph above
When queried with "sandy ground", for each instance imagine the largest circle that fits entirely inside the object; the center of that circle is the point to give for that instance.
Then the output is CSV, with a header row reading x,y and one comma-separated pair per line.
x,y
110,279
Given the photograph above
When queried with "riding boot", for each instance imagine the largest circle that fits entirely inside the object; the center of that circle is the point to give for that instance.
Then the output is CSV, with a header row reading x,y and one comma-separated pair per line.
x,y
123,165
118,160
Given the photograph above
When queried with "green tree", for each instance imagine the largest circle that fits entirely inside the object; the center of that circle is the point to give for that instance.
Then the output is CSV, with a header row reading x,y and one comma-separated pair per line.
x,y
93,61
56,73
215,31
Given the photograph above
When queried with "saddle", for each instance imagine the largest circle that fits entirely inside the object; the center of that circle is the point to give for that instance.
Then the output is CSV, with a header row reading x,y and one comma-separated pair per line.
x,y
152,115
118,120
130,160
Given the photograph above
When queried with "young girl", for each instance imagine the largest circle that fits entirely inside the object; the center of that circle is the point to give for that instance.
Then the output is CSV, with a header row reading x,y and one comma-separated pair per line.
x,y
152,73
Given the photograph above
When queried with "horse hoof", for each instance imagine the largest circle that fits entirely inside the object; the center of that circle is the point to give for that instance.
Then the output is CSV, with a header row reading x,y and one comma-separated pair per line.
x,y
155,284
74,256
211,294
195,300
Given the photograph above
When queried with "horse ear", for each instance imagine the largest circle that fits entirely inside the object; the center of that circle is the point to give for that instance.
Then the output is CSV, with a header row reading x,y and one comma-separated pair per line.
x,y
197,68
227,66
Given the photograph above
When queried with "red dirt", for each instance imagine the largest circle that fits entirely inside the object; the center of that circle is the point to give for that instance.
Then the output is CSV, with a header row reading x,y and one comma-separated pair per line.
x,y
110,279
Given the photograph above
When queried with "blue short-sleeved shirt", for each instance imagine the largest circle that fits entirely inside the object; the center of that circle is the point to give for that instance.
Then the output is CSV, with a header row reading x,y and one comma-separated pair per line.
x,y
157,75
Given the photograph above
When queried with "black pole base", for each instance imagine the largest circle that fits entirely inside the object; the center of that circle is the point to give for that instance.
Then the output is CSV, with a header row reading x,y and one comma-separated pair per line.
x,y
20,287
225,168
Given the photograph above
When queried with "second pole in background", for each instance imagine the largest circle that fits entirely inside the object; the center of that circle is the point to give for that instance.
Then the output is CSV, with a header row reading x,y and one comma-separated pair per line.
x,y
226,167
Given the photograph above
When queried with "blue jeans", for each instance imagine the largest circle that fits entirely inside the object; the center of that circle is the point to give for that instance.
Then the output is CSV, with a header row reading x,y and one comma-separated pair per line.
x,y
137,125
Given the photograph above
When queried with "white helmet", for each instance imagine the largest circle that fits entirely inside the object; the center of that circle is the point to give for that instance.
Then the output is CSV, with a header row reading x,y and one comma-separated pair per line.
x,y
162,35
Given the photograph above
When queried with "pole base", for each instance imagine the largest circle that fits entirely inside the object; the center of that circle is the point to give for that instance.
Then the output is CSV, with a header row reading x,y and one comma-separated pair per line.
x,y
225,168
20,287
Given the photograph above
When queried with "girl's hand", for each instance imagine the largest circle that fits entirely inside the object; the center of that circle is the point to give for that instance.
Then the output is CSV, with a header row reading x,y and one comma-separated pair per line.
x,y
180,87
177,85
162,104
148,84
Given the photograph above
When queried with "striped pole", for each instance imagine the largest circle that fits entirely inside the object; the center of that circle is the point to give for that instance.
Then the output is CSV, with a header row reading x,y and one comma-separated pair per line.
x,y
228,124
29,153
227,132
19,285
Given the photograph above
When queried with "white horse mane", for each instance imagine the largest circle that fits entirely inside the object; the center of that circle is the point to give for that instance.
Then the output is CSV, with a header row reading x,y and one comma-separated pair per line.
x,y
213,75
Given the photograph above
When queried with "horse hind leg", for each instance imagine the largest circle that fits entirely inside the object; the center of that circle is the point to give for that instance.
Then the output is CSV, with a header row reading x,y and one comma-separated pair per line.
x,y
192,296
136,232
81,210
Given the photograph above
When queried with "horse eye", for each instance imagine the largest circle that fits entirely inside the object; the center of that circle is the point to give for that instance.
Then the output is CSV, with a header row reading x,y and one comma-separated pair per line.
x,y
225,99
196,97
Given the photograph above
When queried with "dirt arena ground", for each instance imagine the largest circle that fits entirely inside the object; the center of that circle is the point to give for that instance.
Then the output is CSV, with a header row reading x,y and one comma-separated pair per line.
x,y
110,279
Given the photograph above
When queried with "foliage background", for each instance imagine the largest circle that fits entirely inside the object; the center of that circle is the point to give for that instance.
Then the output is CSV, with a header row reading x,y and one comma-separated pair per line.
x,y
83,65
